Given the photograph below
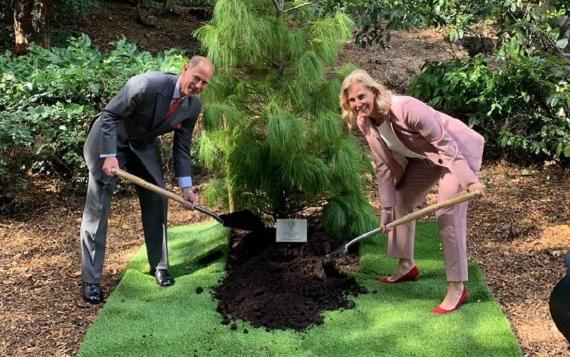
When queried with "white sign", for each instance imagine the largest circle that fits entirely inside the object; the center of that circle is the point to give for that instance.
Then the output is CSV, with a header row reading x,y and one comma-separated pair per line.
x,y
291,230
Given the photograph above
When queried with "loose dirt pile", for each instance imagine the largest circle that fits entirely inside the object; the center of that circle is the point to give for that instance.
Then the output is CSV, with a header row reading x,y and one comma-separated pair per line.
x,y
284,285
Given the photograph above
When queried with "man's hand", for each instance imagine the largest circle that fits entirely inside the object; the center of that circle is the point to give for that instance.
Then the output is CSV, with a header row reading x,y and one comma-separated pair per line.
x,y
109,164
477,187
386,216
188,195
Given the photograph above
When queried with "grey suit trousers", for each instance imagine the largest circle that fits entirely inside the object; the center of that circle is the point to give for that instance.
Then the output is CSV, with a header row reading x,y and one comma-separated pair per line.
x,y
100,188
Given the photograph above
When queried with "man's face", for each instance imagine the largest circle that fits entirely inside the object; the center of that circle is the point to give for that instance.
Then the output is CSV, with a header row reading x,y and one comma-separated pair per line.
x,y
194,80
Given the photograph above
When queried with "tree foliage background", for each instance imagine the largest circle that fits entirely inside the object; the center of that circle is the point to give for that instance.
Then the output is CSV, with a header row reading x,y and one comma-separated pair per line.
x,y
514,89
273,137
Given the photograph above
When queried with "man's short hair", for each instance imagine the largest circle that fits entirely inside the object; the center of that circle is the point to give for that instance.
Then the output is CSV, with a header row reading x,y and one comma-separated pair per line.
x,y
194,61
197,59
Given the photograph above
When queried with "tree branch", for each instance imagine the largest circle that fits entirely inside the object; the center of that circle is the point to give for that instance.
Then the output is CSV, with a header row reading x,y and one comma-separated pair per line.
x,y
279,6
298,6
275,64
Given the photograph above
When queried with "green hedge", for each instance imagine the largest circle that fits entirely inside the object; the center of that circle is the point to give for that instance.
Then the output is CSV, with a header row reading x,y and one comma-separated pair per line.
x,y
520,103
49,96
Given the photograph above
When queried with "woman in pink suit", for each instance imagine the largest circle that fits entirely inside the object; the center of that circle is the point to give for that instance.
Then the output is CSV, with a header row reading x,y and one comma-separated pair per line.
x,y
414,147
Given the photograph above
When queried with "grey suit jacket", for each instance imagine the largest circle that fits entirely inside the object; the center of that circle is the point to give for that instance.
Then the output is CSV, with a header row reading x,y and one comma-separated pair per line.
x,y
135,117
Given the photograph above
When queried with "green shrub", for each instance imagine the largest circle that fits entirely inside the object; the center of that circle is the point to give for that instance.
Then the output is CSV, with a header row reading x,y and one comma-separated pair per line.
x,y
49,97
520,103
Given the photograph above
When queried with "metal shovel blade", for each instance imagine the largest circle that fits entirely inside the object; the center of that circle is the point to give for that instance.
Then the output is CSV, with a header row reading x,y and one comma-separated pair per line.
x,y
343,249
244,219
462,197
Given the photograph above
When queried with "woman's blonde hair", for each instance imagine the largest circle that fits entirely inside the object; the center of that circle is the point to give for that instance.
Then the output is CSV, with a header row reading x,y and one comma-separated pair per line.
x,y
381,105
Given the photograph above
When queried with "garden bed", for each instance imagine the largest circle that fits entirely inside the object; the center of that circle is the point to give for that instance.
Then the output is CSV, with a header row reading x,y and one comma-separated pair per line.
x,y
141,318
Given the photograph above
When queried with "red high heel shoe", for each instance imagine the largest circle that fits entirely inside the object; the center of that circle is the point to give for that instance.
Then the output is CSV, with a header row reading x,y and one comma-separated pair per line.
x,y
413,274
464,296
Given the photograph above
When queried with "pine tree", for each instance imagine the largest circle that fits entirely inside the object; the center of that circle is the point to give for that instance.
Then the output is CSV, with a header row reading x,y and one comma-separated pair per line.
x,y
272,129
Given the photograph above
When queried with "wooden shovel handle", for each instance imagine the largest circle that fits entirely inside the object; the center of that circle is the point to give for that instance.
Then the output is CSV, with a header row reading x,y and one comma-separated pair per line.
x,y
149,186
161,191
462,197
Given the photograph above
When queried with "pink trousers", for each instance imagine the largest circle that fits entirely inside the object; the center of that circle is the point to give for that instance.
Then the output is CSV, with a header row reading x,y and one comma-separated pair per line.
x,y
419,178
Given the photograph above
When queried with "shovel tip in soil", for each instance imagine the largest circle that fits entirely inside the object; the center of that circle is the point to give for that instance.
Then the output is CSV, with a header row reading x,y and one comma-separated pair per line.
x,y
335,253
342,250
244,219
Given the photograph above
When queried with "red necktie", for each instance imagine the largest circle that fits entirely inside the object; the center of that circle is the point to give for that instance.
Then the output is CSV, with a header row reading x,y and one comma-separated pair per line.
x,y
173,106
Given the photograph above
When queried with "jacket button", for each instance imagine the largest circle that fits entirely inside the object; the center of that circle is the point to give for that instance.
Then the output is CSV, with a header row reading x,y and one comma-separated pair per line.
x,y
440,161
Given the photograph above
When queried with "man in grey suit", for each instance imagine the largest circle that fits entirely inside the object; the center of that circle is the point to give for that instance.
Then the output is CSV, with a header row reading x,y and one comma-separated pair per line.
x,y
125,135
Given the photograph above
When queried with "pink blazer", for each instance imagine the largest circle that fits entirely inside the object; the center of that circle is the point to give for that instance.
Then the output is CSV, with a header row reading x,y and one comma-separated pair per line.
x,y
443,140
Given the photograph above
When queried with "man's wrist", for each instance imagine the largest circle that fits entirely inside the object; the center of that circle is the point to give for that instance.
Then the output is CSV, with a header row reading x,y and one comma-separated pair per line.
x,y
185,181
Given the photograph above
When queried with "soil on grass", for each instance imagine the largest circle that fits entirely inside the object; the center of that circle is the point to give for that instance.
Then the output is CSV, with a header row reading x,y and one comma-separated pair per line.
x,y
284,285
518,233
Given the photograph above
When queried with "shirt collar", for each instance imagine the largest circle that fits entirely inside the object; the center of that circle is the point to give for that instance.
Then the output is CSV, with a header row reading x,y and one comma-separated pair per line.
x,y
176,93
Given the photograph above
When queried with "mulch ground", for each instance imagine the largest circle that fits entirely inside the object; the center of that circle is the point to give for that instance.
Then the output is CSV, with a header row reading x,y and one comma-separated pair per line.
x,y
518,233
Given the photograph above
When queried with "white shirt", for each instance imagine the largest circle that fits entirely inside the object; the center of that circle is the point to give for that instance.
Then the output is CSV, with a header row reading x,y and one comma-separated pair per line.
x,y
399,150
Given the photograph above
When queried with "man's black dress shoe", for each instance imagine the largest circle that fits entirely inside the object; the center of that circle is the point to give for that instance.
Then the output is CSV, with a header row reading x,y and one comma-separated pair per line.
x,y
92,293
162,277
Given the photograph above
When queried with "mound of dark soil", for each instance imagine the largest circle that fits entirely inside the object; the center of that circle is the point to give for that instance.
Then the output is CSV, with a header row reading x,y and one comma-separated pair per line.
x,y
284,285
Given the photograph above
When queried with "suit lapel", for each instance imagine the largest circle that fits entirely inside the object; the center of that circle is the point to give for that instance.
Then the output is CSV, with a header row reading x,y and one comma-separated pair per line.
x,y
163,102
179,115
183,112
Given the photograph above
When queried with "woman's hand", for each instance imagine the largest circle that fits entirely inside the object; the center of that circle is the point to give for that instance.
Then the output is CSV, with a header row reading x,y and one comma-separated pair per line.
x,y
386,216
361,115
477,187
397,173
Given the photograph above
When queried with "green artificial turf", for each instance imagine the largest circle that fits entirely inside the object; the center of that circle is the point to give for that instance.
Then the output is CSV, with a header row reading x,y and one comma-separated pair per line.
x,y
142,319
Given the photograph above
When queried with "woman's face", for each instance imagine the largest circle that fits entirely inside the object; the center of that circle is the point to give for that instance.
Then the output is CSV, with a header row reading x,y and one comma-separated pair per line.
x,y
361,99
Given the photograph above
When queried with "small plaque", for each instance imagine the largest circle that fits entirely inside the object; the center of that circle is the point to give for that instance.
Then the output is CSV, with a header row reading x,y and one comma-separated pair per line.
x,y
292,230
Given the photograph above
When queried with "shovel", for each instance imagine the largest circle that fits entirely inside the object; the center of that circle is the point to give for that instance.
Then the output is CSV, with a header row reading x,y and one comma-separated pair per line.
x,y
462,197
244,219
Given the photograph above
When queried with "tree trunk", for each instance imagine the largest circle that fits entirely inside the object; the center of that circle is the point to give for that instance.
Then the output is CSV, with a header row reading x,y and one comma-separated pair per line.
x,y
31,23
142,19
23,25
279,6
43,23
231,197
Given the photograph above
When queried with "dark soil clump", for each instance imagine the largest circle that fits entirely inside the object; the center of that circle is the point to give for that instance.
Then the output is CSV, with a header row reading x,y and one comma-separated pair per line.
x,y
284,285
